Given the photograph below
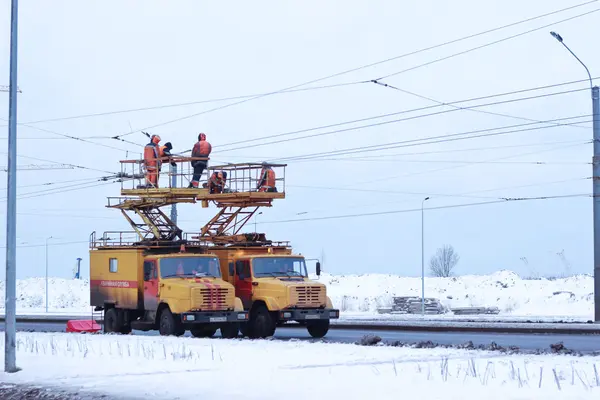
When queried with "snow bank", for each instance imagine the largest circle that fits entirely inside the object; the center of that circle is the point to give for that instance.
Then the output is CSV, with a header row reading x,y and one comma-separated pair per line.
x,y
187,368
571,296
64,295
514,296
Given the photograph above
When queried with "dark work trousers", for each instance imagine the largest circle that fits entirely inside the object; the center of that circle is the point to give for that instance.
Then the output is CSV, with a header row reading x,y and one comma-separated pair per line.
x,y
199,168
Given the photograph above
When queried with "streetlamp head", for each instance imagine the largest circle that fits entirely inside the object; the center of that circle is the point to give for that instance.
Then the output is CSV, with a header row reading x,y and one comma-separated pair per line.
x,y
556,36
426,198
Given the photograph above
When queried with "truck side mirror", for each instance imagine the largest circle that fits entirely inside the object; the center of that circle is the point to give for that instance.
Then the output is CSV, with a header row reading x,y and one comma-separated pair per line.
x,y
318,268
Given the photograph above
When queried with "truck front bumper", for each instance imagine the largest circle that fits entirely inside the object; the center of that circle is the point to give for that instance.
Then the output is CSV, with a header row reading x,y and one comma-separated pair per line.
x,y
213,317
308,314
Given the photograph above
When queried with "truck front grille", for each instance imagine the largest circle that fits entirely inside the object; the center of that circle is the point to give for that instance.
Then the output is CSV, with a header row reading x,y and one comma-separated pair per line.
x,y
212,298
309,296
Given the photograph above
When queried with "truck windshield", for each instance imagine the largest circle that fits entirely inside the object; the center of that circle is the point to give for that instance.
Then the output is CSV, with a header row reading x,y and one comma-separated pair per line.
x,y
189,267
279,266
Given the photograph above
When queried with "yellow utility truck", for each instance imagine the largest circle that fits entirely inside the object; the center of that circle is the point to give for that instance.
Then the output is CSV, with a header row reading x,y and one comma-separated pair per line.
x,y
162,288
274,287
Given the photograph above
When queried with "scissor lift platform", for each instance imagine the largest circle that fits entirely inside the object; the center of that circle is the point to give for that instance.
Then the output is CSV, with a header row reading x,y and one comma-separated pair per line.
x,y
238,200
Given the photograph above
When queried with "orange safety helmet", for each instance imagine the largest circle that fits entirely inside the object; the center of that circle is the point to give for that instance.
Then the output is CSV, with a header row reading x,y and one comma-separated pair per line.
x,y
155,139
202,136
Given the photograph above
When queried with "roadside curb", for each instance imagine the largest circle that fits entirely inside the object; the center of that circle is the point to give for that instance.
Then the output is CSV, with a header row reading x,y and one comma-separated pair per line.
x,y
490,327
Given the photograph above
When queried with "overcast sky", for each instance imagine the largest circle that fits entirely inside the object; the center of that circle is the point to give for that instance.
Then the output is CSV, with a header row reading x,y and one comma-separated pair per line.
x,y
78,58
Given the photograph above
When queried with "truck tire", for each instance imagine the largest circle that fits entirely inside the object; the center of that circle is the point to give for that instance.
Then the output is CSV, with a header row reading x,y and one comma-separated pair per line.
x,y
230,331
203,332
169,325
261,323
318,329
111,321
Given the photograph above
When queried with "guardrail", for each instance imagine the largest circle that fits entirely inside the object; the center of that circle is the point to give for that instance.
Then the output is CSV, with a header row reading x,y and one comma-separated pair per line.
x,y
399,326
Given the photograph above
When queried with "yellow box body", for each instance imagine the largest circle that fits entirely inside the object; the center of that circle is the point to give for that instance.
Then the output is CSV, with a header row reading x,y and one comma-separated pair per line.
x,y
117,278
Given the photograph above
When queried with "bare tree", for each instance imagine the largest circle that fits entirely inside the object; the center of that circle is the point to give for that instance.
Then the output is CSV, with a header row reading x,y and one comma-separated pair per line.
x,y
444,261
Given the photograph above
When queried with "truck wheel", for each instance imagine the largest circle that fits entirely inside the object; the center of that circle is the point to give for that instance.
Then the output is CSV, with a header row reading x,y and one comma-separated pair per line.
x,y
111,321
125,330
169,325
203,332
318,329
230,331
261,323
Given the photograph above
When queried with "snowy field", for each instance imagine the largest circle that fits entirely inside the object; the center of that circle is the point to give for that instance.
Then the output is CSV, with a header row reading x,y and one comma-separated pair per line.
x,y
187,368
359,296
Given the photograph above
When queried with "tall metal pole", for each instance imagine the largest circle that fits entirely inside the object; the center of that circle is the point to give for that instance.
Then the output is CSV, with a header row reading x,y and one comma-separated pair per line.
x,y
174,185
596,192
423,256
10,357
595,179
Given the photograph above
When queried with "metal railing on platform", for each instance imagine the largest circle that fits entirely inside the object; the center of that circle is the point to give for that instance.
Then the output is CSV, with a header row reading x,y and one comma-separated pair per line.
x,y
177,172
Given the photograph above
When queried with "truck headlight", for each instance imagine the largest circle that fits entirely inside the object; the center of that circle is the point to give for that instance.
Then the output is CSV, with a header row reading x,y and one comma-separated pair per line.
x,y
242,316
287,314
333,314
190,317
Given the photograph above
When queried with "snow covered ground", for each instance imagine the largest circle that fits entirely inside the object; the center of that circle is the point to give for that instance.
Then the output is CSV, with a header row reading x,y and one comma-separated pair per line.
x,y
359,296
188,368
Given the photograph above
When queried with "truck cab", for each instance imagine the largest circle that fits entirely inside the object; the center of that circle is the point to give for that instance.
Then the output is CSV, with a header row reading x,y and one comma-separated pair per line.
x,y
274,287
168,292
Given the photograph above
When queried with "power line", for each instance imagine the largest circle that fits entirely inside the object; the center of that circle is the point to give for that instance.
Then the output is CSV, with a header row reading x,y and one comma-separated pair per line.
x,y
466,164
58,183
60,190
511,200
487,44
50,244
395,120
380,157
430,140
56,162
372,64
72,137
464,194
441,103
190,103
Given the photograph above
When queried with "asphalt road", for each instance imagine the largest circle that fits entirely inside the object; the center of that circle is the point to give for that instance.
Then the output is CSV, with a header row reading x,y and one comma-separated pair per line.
x,y
530,342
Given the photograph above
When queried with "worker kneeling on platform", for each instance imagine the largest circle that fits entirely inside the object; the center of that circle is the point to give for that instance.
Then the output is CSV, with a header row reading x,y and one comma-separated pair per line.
x,y
266,181
217,181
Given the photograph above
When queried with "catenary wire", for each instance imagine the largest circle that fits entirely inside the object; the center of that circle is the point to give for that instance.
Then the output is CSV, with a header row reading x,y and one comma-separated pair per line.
x,y
488,44
375,124
430,140
511,200
118,137
441,103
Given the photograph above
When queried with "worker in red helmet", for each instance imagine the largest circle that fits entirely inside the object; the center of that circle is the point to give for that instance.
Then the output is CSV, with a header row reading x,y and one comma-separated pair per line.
x,y
152,161
201,149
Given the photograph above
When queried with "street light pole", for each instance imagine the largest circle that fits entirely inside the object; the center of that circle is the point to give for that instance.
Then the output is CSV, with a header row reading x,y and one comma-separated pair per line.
x,y
423,256
47,272
10,356
595,179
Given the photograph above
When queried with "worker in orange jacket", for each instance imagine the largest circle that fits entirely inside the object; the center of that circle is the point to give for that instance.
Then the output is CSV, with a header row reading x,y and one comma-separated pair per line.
x,y
152,161
201,149
266,180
